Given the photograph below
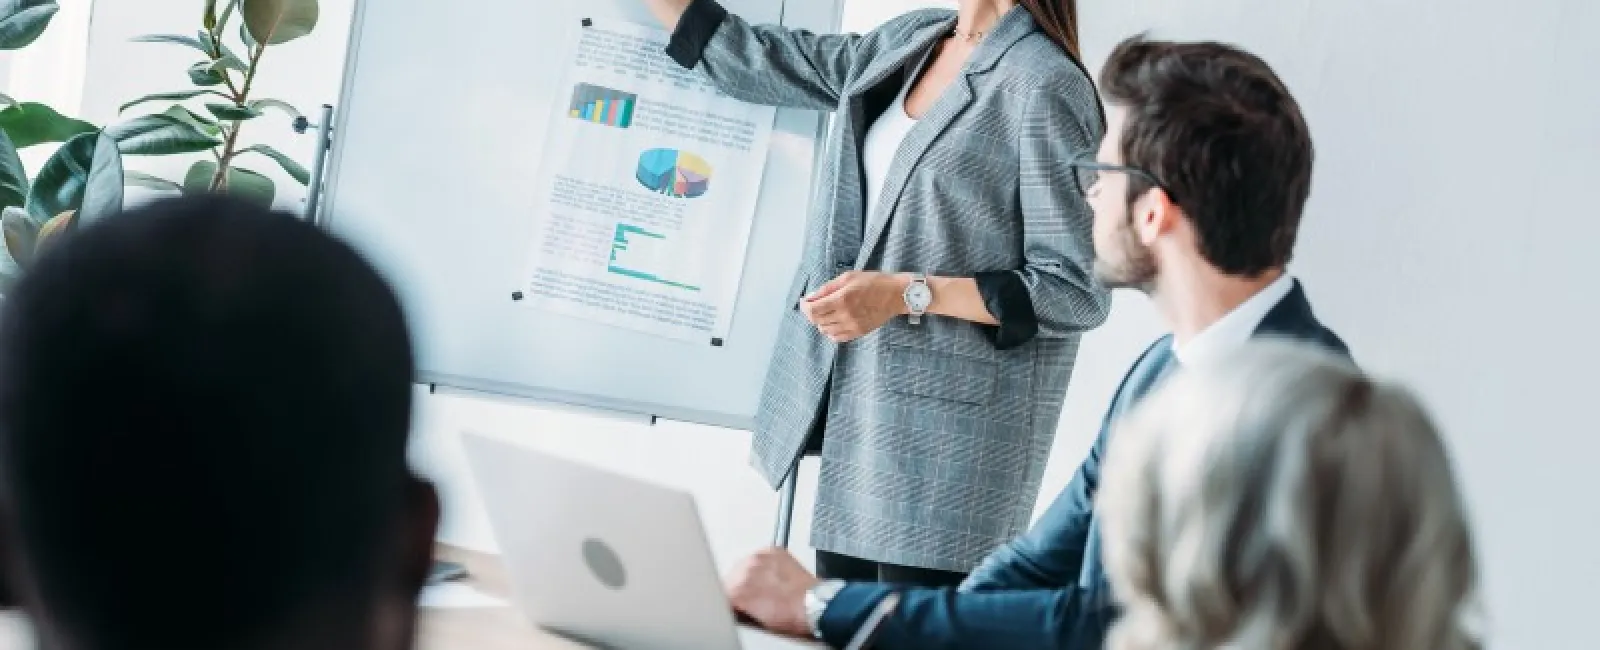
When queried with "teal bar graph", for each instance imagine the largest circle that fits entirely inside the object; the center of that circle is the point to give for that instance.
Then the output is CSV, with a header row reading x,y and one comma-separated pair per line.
x,y
623,237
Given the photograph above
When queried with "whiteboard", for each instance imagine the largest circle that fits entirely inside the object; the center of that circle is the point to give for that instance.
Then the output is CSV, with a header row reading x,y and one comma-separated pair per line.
x,y
431,175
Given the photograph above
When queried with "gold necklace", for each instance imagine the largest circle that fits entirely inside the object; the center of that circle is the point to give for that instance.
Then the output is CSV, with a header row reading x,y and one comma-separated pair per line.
x,y
969,36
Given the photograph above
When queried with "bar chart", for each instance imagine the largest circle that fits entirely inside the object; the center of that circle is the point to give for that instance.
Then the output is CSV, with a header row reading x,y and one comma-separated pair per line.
x,y
641,254
602,105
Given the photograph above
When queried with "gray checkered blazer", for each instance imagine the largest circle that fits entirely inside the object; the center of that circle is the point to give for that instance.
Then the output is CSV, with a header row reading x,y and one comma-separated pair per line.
x,y
936,439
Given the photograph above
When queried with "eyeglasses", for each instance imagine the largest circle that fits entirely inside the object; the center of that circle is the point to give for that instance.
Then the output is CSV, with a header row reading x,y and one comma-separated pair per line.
x,y
1089,172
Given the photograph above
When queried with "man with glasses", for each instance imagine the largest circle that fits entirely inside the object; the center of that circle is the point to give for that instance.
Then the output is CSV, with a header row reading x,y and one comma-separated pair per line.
x,y
1197,191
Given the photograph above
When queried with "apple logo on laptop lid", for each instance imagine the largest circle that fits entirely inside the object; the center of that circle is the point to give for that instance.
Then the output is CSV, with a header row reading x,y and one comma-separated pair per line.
x,y
604,563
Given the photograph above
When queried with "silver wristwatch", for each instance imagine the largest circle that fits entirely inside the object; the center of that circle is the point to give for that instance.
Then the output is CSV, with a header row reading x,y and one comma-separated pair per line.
x,y
817,599
918,297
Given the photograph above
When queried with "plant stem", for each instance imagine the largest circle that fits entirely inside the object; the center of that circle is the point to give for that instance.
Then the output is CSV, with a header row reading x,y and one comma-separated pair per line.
x,y
250,76
216,55
219,182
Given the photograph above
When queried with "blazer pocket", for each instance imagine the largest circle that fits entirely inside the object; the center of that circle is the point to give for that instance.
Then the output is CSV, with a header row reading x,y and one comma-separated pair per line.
x,y
802,283
940,375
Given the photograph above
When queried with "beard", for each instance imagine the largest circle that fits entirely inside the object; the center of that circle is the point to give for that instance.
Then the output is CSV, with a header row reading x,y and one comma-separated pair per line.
x,y
1129,265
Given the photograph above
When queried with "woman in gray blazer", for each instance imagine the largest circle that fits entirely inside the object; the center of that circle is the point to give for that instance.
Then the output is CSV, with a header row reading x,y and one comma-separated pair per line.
x,y
947,274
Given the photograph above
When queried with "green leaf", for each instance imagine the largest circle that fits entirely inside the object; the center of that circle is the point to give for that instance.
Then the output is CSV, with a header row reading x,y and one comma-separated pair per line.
x,y
198,179
7,100
286,107
31,123
242,183
252,187
176,39
102,192
288,164
227,14
52,230
160,135
204,74
205,124
219,50
211,14
275,22
22,21
59,185
244,35
13,178
169,97
132,178
140,179
10,266
228,62
21,235
231,113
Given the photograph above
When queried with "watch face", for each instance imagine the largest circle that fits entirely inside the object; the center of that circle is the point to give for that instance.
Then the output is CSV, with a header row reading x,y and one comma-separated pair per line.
x,y
919,296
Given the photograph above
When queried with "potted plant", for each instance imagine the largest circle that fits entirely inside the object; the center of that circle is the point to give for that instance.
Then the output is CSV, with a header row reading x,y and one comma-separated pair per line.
x,y
83,179
222,98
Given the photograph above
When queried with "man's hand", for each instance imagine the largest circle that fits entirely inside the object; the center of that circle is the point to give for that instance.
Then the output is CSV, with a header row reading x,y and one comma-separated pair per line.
x,y
770,588
856,304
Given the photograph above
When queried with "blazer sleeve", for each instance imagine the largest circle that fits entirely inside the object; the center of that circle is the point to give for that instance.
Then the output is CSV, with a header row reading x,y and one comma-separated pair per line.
x,y
1055,293
1070,618
766,64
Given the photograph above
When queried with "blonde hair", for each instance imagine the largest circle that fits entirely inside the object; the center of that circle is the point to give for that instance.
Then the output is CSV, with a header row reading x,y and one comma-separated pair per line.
x,y
1282,500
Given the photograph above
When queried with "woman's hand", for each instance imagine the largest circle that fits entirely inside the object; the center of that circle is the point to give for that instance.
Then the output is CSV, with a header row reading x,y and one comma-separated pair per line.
x,y
856,304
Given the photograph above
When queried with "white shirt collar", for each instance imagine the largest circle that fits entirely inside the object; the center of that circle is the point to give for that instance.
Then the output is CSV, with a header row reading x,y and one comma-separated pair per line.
x,y
1235,327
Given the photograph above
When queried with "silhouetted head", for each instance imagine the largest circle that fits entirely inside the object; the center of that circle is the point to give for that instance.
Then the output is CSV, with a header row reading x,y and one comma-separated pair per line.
x,y
204,413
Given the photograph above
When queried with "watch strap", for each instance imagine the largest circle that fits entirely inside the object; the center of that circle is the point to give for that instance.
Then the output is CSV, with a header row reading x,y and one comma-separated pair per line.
x,y
916,312
817,599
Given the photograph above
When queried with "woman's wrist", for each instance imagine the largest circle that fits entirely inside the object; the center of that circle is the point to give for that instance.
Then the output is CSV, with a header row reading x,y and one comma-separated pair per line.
x,y
958,298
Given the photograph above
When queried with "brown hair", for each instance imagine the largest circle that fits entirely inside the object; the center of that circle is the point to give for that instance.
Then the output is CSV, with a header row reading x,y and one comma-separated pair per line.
x,y
1226,139
1059,19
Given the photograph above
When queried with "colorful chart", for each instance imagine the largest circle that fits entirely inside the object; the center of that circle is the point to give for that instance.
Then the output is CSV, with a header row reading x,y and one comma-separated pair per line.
x,y
633,249
678,174
602,105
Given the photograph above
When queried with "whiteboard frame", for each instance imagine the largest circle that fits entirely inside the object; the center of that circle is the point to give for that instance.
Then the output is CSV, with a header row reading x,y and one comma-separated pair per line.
x,y
566,400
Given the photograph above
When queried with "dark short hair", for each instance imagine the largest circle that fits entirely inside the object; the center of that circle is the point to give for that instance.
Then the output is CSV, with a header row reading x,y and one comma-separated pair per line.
x,y
204,408
1222,133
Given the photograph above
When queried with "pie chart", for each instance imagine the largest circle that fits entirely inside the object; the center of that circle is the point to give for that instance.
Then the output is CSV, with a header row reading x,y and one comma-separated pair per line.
x,y
678,174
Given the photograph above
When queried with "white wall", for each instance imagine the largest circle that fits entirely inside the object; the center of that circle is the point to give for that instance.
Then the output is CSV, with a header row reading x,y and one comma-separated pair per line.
x,y
51,70
305,72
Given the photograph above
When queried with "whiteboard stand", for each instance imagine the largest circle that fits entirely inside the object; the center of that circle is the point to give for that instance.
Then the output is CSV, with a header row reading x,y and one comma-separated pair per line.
x,y
780,533
319,158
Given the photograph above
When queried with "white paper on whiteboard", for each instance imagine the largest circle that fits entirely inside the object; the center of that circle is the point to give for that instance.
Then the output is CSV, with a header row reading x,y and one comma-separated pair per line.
x,y
647,189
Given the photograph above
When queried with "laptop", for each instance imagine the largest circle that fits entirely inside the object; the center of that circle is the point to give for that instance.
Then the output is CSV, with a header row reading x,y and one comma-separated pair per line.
x,y
604,559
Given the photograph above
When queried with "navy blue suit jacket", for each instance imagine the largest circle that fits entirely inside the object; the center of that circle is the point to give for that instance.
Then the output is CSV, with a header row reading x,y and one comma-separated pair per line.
x,y
1047,588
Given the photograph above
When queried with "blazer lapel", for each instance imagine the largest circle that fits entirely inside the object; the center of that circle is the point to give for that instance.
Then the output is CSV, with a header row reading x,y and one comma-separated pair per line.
x,y
1016,24
848,186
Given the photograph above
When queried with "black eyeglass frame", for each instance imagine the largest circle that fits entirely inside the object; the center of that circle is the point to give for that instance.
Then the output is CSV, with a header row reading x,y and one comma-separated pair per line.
x,y
1088,163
